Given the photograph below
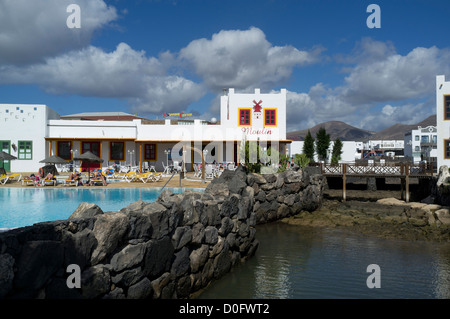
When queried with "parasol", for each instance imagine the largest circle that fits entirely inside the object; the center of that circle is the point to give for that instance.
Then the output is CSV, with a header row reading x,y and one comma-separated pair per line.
x,y
89,157
53,160
6,157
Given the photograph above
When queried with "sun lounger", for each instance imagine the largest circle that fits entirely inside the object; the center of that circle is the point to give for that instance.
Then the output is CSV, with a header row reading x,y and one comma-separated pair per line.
x,y
3,179
10,178
144,177
96,181
48,182
156,177
29,182
128,177
70,182
15,177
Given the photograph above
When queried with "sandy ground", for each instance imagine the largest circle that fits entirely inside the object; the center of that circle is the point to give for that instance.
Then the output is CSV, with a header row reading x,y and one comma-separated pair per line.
x,y
190,181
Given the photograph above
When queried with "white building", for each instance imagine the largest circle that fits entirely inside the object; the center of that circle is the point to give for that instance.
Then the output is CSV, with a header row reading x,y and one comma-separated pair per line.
x,y
23,130
443,120
421,144
244,116
349,150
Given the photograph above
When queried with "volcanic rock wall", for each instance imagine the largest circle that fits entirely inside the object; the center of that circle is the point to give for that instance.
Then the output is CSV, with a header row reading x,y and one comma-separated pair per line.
x,y
166,249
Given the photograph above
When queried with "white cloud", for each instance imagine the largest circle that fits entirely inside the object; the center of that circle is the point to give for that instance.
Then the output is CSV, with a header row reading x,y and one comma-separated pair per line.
x,y
388,110
31,31
123,73
408,113
243,59
382,88
396,77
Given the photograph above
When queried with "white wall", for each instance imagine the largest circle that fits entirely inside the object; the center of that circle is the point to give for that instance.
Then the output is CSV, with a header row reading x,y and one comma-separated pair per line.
x,y
230,104
443,126
91,129
26,122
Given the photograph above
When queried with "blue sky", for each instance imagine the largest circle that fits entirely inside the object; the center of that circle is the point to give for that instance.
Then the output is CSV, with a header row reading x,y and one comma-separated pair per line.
x,y
148,57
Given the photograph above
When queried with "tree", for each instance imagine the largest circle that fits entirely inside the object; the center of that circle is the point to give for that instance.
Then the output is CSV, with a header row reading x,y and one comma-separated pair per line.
x,y
322,144
249,155
308,147
301,160
336,152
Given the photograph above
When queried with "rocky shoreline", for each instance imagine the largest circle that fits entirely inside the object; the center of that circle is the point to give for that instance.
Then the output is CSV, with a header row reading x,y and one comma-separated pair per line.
x,y
371,213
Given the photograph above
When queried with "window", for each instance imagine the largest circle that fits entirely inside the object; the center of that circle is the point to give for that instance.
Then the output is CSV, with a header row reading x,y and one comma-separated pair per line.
x,y
93,147
270,117
25,151
425,139
417,149
446,149
417,138
150,152
244,117
434,139
117,151
446,107
63,150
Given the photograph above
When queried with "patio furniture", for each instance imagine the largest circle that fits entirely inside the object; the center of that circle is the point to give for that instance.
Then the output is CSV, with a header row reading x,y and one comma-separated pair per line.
x,y
167,169
29,182
15,177
197,170
177,166
70,182
89,158
145,177
209,171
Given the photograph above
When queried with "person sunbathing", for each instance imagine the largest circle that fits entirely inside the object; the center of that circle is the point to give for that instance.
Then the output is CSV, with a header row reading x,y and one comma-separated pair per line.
x,y
49,177
73,177
98,175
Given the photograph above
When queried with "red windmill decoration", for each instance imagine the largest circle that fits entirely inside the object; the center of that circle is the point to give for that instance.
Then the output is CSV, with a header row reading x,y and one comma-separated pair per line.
x,y
257,108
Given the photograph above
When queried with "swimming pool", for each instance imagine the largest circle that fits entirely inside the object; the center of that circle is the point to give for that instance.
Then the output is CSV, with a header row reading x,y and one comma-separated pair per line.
x,y
25,206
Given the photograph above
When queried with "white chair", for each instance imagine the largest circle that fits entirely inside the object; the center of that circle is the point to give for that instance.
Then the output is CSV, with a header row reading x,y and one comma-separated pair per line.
x,y
135,169
209,172
65,168
166,169
124,169
197,171
177,166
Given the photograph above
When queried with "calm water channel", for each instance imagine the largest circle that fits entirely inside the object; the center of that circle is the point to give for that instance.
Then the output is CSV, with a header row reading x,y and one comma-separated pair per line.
x,y
294,262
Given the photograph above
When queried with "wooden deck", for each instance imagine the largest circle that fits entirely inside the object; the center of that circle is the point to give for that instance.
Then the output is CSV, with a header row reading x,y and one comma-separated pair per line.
x,y
404,171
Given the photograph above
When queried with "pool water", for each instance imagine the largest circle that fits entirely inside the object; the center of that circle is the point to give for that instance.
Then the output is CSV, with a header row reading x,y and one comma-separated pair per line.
x,y
24,206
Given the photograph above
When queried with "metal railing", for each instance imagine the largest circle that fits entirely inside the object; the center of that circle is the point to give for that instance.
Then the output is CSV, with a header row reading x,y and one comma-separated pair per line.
x,y
391,169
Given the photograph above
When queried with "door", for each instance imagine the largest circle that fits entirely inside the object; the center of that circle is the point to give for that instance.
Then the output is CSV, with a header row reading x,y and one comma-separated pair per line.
x,y
5,146
94,148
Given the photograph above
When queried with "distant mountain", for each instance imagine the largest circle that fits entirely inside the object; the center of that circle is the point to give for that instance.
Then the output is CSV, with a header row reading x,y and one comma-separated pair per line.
x,y
336,129
397,131
346,132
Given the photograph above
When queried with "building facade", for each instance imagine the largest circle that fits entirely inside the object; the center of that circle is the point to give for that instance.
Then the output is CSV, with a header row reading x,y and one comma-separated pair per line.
x,y
421,145
23,128
443,121
259,117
